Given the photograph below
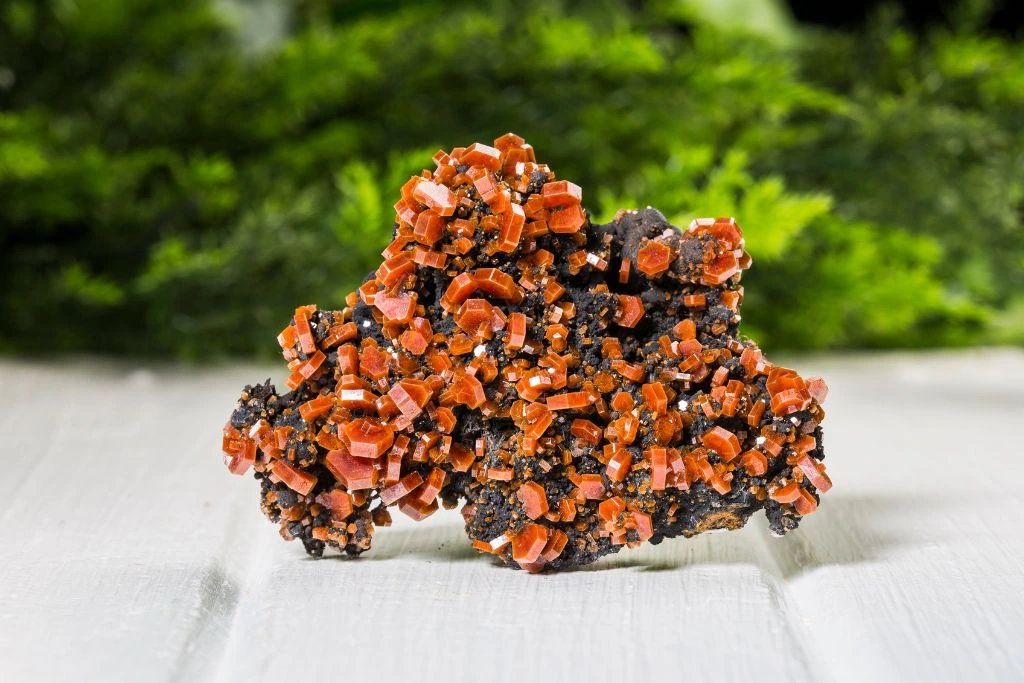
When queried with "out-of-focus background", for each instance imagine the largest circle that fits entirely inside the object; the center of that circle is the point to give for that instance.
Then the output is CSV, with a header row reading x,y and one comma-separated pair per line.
x,y
177,175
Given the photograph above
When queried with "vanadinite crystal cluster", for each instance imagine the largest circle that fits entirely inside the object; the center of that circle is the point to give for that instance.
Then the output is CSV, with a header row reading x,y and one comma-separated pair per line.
x,y
575,388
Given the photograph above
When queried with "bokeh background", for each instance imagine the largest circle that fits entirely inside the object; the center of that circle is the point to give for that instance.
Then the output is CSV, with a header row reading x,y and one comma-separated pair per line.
x,y
177,175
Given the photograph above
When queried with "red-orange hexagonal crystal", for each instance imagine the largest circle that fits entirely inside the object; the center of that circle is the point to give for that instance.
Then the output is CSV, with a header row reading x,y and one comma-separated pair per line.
x,y
611,508
297,480
568,219
512,223
497,283
755,462
479,154
656,397
654,258
435,196
786,494
529,543
630,310
561,193
592,486
355,474
723,442
368,438
618,466
721,269
533,498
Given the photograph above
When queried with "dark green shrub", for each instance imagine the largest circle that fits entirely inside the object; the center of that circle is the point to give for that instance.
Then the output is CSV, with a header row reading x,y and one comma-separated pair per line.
x,y
170,185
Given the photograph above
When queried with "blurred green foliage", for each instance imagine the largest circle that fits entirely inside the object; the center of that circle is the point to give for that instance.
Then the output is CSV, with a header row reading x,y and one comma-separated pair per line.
x,y
176,176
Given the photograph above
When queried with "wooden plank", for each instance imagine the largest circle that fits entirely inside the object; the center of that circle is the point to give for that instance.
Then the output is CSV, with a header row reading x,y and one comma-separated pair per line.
x,y
422,604
914,568
126,553
117,525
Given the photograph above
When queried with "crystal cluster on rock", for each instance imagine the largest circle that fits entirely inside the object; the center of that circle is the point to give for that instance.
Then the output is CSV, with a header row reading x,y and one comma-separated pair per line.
x,y
575,387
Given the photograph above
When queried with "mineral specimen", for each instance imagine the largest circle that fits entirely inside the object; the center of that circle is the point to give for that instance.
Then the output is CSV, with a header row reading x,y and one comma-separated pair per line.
x,y
577,387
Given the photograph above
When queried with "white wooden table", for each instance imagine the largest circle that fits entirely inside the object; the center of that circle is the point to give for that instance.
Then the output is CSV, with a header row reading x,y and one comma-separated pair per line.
x,y
127,553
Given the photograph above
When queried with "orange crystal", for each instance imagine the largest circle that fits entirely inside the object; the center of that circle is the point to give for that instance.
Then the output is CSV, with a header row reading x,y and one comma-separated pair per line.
x,y
479,154
394,269
239,451
611,508
654,258
786,494
723,442
402,488
410,396
497,283
396,309
534,500
586,430
429,227
815,473
300,481
618,466
592,486
339,502
516,331
368,438
569,401
435,196
312,409
561,193
755,462
659,467
655,397
473,313
529,543
460,288
568,219
512,224
721,269
630,310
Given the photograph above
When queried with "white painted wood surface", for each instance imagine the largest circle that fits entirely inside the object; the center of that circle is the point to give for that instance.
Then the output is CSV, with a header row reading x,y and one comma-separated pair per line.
x,y
127,553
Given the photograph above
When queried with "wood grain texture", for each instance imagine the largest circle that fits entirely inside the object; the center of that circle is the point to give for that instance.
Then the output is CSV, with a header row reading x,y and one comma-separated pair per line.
x,y
128,554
